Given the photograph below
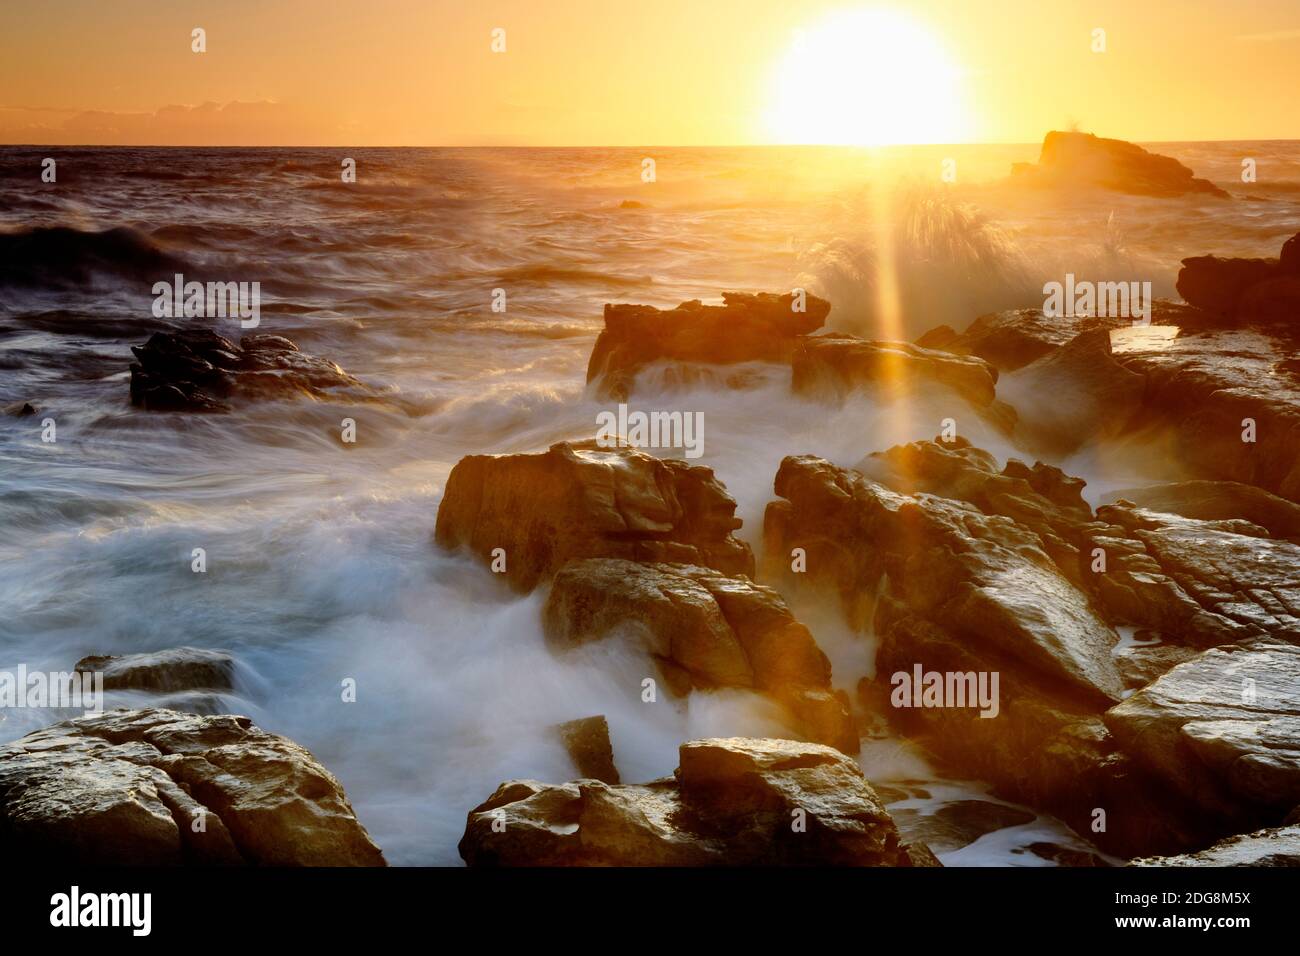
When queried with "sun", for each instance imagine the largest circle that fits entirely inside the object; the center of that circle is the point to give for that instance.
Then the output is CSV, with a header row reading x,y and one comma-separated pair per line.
x,y
866,78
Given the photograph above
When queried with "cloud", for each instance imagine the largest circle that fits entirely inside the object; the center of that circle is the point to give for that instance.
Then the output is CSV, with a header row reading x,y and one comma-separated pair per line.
x,y
261,123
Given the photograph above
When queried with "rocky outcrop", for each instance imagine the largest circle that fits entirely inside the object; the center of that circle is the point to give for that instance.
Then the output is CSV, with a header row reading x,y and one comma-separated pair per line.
x,y
1071,160
587,741
1092,396
200,371
580,501
1223,729
705,630
1219,501
745,328
176,669
731,802
835,364
158,787
1227,401
962,569
1245,292
1279,846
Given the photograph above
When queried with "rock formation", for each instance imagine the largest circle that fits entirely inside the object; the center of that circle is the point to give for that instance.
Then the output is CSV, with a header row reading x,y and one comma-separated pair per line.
x,y
1246,292
746,328
1278,846
1071,160
129,787
834,364
200,371
587,741
175,669
732,802
580,501
704,630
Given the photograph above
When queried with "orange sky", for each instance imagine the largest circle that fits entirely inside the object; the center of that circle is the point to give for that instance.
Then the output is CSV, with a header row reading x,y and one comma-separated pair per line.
x,y
619,72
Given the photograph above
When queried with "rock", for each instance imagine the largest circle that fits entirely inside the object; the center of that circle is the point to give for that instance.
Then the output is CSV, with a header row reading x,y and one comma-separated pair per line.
x,y
198,370
1245,292
177,669
1092,396
1223,729
1140,664
19,409
732,802
958,824
1279,846
1074,160
580,501
125,788
961,589
710,630
1201,388
835,364
587,741
1012,339
745,328
1064,855
1219,501
984,578
1217,285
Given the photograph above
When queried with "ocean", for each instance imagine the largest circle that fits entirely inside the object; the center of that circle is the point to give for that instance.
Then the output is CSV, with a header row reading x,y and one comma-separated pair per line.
x,y
320,559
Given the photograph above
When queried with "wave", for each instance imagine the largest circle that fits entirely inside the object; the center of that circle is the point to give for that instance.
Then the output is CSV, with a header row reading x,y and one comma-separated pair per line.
x,y
61,257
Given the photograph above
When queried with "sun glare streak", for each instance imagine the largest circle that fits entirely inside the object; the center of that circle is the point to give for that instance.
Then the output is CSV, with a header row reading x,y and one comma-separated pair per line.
x,y
866,78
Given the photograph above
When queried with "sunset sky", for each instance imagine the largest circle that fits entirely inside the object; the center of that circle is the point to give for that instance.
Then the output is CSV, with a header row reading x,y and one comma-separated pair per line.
x,y
657,72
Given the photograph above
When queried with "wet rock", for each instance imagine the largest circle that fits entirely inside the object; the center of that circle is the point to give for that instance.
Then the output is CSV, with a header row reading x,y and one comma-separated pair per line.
x,y
1064,855
198,370
745,328
1092,396
732,802
1140,664
983,578
1279,846
710,630
128,787
958,824
19,409
580,501
836,364
176,669
587,741
1219,501
1205,387
1223,729
1012,339
1072,160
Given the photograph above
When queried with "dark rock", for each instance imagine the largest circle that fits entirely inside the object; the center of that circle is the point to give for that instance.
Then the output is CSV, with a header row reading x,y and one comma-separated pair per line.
x,y
587,741
1065,856
1074,160
198,370
746,328
732,802
580,501
177,669
713,630
19,409
127,787
1245,292
958,824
